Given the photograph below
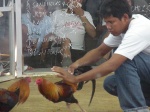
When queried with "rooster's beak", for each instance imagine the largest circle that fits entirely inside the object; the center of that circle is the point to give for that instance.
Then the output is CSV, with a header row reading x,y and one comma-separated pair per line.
x,y
1,14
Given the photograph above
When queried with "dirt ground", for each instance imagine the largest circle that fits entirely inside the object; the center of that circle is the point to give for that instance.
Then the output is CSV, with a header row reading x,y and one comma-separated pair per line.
x,y
102,101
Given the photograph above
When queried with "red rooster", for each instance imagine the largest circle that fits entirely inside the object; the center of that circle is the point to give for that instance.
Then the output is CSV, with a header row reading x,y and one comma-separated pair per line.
x,y
17,93
57,92
63,91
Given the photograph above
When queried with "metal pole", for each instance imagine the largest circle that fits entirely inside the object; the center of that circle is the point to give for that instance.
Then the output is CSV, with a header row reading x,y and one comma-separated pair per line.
x,y
12,39
18,38
3,3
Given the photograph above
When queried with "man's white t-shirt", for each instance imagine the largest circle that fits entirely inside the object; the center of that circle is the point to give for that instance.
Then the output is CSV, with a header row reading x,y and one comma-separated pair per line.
x,y
135,40
70,26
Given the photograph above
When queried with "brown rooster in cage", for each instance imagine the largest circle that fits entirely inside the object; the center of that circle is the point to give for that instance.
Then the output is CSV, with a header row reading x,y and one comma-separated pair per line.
x,y
17,93
61,91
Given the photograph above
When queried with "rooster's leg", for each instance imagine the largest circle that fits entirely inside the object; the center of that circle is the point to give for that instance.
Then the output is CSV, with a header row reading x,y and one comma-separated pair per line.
x,y
82,110
68,106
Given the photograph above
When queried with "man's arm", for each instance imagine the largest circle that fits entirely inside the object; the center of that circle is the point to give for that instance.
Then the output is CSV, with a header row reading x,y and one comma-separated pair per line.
x,y
90,29
24,36
104,69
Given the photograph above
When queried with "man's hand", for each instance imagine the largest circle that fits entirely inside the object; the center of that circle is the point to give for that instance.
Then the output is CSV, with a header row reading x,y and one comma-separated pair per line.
x,y
77,9
64,74
72,67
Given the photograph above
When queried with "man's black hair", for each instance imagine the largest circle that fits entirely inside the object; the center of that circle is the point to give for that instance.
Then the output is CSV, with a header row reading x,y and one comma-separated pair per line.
x,y
115,8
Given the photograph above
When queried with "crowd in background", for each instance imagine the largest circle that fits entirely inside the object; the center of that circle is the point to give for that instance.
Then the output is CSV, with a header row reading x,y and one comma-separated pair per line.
x,y
92,6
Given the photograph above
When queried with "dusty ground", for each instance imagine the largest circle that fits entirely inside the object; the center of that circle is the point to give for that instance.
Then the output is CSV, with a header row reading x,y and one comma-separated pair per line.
x,y
102,101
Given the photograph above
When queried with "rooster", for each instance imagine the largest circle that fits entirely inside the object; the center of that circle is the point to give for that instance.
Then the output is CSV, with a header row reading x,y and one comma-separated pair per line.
x,y
81,70
60,91
17,93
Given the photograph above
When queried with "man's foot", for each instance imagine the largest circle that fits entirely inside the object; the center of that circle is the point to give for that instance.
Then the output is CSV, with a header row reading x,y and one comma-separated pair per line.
x,y
27,68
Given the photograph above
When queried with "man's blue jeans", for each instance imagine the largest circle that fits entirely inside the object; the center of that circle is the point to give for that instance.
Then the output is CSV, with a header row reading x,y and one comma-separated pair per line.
x,y
131,83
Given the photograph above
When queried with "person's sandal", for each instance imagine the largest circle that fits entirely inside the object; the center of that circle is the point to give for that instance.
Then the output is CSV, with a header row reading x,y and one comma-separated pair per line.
x,y
27,68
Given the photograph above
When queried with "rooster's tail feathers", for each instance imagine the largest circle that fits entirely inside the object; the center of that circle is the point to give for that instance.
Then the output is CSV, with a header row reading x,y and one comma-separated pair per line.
x,y
24,89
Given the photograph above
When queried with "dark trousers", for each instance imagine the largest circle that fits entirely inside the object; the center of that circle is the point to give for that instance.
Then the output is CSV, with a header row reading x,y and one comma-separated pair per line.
x,y
76,54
